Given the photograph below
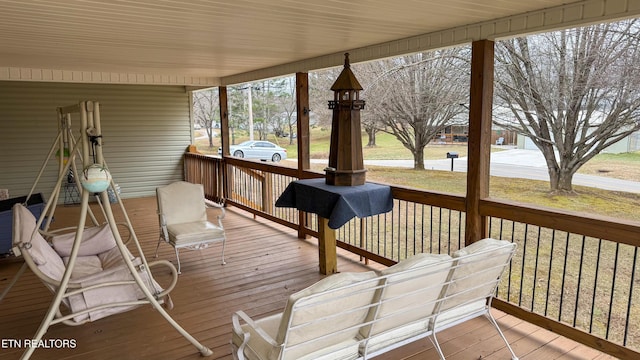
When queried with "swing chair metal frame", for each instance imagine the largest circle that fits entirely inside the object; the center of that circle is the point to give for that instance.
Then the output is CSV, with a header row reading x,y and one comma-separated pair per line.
x,y
87,149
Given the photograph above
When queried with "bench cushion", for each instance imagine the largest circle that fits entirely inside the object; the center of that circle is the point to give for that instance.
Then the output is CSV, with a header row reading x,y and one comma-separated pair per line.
x,y
407,301
315,316
259,348
43,255
318,322
95,240
475,282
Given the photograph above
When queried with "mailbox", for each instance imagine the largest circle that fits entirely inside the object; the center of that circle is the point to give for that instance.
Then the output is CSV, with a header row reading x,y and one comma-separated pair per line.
x,y
452,155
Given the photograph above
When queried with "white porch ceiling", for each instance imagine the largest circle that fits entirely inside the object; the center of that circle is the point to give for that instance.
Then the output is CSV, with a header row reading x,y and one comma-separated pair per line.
x,y
215,42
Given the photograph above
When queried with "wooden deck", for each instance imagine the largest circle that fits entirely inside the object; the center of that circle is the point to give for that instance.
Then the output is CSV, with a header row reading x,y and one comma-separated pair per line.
x,y
265,264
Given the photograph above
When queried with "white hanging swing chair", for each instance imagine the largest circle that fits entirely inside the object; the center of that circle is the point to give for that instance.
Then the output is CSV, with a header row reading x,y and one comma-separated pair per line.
x,y
89,269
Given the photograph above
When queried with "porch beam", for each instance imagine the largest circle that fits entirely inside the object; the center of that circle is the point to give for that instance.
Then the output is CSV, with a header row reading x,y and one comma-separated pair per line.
x,y
478,165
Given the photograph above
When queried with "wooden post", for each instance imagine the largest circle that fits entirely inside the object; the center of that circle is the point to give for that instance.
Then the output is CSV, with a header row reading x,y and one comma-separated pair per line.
x,y
224,138
267,193
478,168
302,120
224,119
302,132
327,247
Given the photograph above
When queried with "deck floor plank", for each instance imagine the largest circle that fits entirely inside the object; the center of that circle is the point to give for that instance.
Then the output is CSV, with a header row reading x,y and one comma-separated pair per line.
x,y
266,263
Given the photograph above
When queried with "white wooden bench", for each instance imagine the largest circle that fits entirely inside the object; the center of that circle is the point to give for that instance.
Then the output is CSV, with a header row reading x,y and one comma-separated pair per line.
x,y
362,315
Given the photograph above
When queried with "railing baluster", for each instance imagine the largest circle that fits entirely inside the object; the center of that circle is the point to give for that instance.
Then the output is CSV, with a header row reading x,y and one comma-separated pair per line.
x,y
449,232
524,256
460,237
630,299
553,240
613,289
406,231
595,285
564,277
577,301
439,230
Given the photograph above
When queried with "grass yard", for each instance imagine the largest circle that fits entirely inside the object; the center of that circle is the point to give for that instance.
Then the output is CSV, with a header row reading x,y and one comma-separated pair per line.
x,y
620,166
590,200
387,148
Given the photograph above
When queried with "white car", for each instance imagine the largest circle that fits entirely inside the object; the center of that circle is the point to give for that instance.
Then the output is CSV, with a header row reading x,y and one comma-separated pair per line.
x,y
263,150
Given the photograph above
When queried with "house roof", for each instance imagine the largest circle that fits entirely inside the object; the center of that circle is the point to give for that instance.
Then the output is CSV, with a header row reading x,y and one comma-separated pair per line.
x,y
220,42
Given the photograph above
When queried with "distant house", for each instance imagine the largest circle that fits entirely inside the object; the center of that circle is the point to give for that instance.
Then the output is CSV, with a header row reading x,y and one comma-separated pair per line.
x,y
504,115
630,143
454,133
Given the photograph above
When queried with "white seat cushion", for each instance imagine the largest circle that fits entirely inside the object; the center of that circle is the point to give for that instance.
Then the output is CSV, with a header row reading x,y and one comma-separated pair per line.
x,y
194,232
476,270
308,328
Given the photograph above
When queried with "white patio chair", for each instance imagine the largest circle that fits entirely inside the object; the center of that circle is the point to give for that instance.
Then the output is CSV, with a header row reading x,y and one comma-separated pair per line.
x,y
182,211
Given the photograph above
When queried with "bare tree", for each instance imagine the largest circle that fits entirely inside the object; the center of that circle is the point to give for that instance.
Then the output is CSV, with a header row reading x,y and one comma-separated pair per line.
x,y
206,110
320,93
238,111
573,92
415,97
287,104
369,74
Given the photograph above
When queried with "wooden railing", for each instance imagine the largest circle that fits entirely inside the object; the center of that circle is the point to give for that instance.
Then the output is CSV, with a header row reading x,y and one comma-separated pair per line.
x,y
208,171
574,274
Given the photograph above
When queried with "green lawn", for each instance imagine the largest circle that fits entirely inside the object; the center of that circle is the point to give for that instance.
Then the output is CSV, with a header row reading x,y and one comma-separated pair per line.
x,y
586,199
624,166
387,148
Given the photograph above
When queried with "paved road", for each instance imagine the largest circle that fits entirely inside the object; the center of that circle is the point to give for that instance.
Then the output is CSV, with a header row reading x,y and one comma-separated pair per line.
x,y
515,163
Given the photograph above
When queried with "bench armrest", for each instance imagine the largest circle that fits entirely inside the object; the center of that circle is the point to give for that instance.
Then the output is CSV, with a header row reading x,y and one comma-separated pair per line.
x,y
235,322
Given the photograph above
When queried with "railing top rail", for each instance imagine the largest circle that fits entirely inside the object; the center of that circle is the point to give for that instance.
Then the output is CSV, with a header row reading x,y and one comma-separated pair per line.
x,y
597,226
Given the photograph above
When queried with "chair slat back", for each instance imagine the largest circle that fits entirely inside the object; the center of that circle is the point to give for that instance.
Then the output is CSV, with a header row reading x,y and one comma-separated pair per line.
x,y
182,202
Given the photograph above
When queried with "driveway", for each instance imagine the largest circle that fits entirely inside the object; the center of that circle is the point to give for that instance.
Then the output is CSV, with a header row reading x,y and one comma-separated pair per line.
x,y
514,163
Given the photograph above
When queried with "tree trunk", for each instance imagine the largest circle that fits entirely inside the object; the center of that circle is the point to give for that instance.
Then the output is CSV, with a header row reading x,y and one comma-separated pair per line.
x,y
371,132
418,159
209,130
564,181
290,133
560,181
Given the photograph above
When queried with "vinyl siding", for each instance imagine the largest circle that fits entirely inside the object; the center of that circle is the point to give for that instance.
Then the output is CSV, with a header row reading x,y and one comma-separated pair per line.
x,y
145,132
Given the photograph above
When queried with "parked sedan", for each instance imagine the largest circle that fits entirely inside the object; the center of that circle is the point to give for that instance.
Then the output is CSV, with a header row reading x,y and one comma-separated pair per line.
x,y
263,150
